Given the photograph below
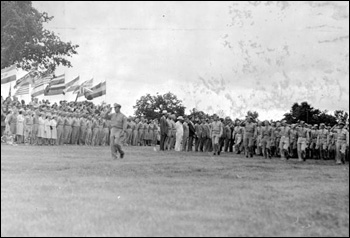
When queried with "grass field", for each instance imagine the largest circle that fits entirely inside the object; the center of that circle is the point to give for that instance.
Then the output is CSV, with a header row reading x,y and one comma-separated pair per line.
x,y
80,191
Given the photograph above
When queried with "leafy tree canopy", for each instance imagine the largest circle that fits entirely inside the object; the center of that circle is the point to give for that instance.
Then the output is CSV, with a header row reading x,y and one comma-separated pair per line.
x,y
305,112
26,43
151,107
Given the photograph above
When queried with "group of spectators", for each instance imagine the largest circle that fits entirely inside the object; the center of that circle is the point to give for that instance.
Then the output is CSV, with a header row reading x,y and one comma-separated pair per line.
x,y
67,123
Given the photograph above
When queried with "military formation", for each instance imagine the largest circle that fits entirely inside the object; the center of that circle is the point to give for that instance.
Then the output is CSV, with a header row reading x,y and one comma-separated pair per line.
x,y
40,125
264,139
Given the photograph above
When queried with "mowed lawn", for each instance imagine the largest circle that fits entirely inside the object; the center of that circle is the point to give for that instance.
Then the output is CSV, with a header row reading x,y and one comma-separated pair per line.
x,y
80,191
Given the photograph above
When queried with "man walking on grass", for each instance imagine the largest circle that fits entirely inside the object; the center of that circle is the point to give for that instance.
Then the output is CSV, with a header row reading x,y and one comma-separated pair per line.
x,y
215,133
118,124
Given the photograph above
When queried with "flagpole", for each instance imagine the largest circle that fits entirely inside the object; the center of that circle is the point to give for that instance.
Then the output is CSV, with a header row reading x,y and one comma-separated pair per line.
x,y
10,90
76,99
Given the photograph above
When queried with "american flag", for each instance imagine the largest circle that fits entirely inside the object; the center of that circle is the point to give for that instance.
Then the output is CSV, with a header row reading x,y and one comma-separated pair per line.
x,y
22,90
40,85
56,86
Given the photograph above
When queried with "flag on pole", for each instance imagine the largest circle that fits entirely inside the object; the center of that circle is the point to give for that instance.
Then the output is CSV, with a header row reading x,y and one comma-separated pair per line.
x,y
58,80
26,79
84,87
22,90
97,91
9,74
56,86
70,87
40,85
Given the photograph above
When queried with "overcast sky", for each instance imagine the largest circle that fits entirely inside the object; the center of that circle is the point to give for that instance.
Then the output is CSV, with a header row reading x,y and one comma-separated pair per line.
x,y
215,56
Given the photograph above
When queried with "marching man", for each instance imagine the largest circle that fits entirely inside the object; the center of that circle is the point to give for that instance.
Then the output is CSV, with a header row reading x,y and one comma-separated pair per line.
x,y
215,133
118,129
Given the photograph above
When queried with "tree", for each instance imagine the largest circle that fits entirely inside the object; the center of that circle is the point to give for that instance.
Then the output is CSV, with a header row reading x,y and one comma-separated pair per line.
x,y
26,43
326,118
194,113
254,115
341,116
305,112
151,107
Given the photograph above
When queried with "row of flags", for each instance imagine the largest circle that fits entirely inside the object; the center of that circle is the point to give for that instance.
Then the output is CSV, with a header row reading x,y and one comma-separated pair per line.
x,y
51,85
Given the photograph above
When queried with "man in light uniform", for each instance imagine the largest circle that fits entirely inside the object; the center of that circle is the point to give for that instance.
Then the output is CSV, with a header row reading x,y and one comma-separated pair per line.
x,y
60,129
266,132
284,142
82,134
136,132
118,128
313,142
322,138
28,127
216,132
293,141
68,129
75,128
238,137
248,137
342,143
302,137
259,138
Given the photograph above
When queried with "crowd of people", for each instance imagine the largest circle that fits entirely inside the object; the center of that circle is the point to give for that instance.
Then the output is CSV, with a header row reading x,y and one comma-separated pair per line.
x,y
68,123
265,139
86,124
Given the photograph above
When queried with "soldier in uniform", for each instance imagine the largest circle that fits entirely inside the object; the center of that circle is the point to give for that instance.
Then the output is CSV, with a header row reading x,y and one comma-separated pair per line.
x,y
313,145
68,129
185,134
163,130
83,122
105,133
266,132
342,143
238,137
173,132
60,128
198,129
293,140
118,124
28,128
191,135
322,138
284,141
88,136
216,132
20,127
34,140
141,134
302,138
227,135
53,127
136,132
75,128
249,132
259,138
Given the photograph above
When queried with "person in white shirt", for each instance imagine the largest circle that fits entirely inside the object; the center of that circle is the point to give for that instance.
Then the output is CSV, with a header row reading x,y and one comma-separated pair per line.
x,y
179,133
20,127
53,124
47,125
